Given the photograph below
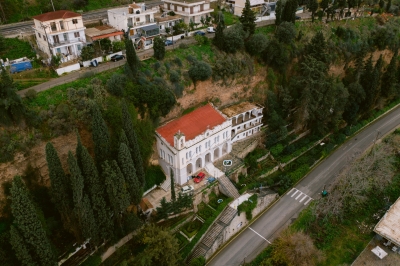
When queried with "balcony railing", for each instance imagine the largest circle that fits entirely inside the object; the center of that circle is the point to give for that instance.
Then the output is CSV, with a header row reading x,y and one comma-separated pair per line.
x,y
56,44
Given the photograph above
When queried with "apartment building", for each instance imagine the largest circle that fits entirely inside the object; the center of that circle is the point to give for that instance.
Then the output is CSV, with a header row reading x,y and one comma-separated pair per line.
x,y
60,33
190,10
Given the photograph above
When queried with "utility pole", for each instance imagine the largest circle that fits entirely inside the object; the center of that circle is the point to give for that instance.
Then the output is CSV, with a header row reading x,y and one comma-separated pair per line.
x,y
376,138
44,27
52,5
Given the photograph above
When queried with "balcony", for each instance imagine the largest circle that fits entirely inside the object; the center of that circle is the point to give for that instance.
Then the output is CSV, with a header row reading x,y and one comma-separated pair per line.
x,y
243,119
63,43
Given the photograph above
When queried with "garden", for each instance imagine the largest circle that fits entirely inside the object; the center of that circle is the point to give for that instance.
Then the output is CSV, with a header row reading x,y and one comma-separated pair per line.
x,y
213,200
182,241
190,229
204,211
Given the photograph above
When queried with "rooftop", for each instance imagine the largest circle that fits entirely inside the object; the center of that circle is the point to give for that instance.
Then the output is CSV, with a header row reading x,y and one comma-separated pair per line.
x,y
103,31
59,14
388,226
159,17
145,204
192,124
185,1
239,108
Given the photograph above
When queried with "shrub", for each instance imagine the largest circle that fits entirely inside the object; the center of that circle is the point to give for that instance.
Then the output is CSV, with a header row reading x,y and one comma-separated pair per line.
x,y
156,65
159,48
178,89
174,76
277,149
116,84
183,46
248,206
286,32
191,228
233,38
256,44
31,94
177,61
154,176
200,70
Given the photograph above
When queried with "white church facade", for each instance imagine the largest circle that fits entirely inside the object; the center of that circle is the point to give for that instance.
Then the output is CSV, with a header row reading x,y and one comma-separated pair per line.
x,y
185,145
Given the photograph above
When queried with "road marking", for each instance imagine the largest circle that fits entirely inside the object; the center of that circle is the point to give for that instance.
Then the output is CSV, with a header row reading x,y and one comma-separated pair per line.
x,y
303,198
258,234
299,195
305,203
295,193
290,191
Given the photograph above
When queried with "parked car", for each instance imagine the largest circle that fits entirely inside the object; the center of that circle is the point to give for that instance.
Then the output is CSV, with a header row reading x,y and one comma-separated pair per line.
x,y
187,189
199,177
117,57
21,66
298,17
168,42
201,33
211,179
210,30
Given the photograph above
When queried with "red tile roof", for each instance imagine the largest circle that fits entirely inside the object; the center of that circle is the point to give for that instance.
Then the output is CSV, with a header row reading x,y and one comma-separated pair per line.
x,y
192,124
59,14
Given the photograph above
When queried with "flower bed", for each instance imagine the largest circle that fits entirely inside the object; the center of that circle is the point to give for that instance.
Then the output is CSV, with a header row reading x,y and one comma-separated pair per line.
x,y
204,211
191,228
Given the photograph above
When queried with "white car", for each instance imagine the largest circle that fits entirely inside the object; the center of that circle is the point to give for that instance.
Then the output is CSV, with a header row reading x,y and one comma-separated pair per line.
x,y
210,30
187,189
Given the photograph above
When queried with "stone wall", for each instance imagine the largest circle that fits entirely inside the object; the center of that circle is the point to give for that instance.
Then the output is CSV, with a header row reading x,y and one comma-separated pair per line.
x,y
240,221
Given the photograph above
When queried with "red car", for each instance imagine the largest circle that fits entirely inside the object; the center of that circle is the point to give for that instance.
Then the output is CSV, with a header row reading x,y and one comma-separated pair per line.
x,y
199,177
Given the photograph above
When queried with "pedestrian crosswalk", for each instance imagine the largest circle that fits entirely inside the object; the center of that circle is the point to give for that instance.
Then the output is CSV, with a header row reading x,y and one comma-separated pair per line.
x,y
299,196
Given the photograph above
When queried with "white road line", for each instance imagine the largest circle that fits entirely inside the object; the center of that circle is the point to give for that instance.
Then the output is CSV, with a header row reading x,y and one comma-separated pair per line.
x,y
303,198
305,203
290,191
259,235
295,193
299,195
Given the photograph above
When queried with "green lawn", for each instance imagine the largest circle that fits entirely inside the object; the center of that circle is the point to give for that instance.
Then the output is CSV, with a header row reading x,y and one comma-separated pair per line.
x,y
230,18
191,228
16,48
204,211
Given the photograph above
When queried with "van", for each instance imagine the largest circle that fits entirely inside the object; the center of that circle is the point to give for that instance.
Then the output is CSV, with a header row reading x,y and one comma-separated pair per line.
x,y
187,189
210,30
21,66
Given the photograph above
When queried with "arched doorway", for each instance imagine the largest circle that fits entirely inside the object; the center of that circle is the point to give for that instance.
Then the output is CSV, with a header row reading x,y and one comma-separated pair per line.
x,y
199,164
216,153
233,133
239,119
247,116
189,169
233,121
225,148
208,158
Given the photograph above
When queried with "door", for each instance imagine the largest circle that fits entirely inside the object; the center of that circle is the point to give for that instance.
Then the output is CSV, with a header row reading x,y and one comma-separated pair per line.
x,y
65,36
56,39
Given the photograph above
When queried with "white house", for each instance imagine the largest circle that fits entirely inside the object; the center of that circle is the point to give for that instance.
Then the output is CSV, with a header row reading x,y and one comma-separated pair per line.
x,y
140,21
187,144
190,10
60,33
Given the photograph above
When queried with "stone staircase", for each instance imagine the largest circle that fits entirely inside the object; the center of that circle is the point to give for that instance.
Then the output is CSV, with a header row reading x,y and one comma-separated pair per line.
x,y
166,185
228,187
213,232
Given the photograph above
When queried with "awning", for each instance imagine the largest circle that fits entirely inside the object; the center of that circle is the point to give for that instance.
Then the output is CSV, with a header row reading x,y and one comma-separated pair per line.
x,y
151,27
379,252
98,37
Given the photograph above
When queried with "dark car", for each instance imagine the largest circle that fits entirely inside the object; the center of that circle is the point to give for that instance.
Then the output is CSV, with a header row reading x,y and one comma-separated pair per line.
x,y
199,177
168,42
201,33
117,57
297,17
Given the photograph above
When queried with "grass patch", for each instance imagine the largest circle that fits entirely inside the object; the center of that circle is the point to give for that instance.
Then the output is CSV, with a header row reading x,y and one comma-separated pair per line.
x,y
17,48
230,18
204,211
267,30
191,228
213,199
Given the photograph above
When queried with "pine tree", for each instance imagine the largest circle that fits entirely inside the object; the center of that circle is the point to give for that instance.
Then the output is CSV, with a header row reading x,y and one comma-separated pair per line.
x,y
159,48
79,148
96,191
101,136
11,107
218,40
173,196
164,210
59,189
28,228
317,48
248,18
389,79
128,169
289,11
131,58
133,144
82,208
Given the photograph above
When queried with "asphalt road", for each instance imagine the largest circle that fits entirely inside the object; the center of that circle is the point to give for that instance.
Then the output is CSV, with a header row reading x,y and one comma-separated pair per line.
x,y
25,27
255,238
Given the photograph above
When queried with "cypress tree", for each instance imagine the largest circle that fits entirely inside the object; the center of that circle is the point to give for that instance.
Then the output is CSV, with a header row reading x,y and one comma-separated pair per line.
x,y
133,144
317,48
132,60
248,18
28,228
21,248
59,189
82,208
96,191
101,136
278,12
389,78
218,40
128,170
79,148
123,138
173,196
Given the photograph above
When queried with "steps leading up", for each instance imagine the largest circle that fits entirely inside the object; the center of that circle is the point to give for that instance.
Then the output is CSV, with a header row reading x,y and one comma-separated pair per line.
x,y
166,185
229,187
